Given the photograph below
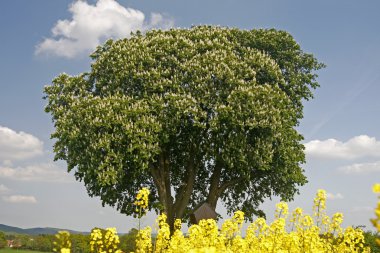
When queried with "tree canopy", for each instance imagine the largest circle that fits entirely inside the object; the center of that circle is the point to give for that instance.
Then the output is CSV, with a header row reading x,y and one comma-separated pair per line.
x,y
200,114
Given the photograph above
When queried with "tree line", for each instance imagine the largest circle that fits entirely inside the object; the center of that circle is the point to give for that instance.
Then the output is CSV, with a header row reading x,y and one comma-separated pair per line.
x,y
80,243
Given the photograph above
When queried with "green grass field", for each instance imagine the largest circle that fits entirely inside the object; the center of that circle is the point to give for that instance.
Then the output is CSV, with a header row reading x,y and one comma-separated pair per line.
x,y
10,250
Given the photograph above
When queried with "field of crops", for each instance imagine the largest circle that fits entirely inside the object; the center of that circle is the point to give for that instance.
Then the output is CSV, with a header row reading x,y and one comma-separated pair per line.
x,y
294,232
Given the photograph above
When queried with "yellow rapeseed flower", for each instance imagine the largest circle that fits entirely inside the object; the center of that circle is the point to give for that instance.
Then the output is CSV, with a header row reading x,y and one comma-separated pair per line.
x,y
307,237
376,220
376,188
142,200
62,242
281,210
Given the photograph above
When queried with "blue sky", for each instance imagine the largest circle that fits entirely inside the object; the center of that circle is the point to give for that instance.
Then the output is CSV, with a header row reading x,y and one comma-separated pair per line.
x,y
340,126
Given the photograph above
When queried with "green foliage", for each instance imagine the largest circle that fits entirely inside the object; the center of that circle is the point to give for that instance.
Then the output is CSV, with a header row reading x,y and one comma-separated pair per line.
x,y
45,243
22,241
11,250
31,242
42,243
128,241
80,243
370,239
209,112
3,241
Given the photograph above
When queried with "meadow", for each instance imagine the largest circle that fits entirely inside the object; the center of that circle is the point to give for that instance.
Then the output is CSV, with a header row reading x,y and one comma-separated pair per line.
x,y
10,250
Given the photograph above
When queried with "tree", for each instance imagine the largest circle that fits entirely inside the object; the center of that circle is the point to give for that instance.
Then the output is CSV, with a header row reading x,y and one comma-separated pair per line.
x,y
80,243
3,241
43,243
200,114
128,241
22,241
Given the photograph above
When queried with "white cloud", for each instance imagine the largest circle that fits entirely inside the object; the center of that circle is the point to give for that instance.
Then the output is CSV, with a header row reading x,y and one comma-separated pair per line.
x,y
361,168
45,172
3,189
20,199
356,147
92,24
7,163
332,196
18,145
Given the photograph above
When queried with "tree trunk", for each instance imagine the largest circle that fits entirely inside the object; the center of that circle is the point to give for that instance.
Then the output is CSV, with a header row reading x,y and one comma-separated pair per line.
x,y
184,193
176,209
213,194
161,178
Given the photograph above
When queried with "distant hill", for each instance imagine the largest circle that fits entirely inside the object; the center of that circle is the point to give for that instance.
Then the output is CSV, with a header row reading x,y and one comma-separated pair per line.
x,y
35,231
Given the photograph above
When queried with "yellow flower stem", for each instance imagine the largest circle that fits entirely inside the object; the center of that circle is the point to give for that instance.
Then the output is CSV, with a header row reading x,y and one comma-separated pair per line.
x,y
139,217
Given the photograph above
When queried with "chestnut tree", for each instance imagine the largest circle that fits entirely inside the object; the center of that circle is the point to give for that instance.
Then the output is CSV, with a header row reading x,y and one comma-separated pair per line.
x,y
200,114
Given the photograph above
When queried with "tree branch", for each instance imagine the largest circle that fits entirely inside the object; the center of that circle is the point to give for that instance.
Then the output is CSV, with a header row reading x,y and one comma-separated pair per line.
x,y
227,184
